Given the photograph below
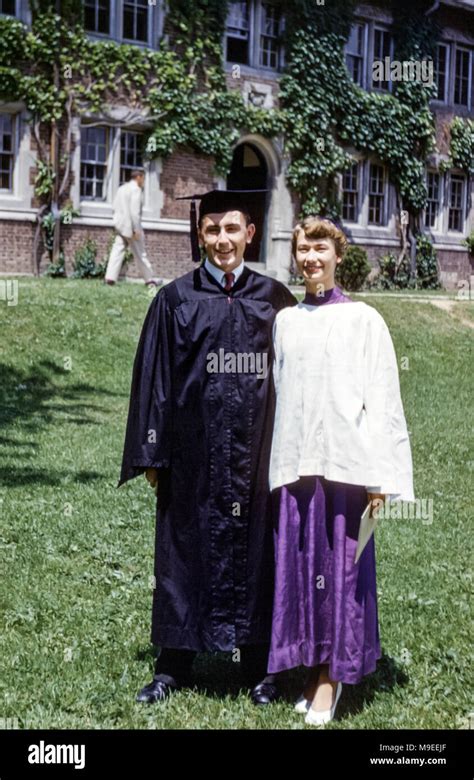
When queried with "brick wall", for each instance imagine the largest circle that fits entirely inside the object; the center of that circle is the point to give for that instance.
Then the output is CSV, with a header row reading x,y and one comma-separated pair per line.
x,y
184,173
16,246
169,252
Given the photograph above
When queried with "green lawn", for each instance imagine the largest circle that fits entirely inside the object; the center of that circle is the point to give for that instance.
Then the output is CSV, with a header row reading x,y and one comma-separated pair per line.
x,y
77,554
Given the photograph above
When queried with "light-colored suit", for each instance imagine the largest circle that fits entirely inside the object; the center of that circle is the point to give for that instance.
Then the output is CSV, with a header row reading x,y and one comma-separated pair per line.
x,y
128,204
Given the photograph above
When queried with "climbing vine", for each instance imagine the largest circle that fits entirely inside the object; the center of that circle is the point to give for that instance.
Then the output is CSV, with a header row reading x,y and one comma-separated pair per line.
x,y
181,92
462,146
325,109
180,89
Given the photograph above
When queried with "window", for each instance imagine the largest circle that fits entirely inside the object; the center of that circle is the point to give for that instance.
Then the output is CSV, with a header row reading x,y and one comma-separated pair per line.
x,y
376,194
7,152
131,153
433,200
350,193
97,16
253,34
368,44
238,32
366,197
8,7
269,34
441,69
462,76
382,48
135,20
93,162
456,203
355,53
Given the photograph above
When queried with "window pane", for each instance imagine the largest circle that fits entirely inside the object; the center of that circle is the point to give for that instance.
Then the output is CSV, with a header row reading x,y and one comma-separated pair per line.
x,y
456,203
6,152
381,50
237,33
135,20
269,46
355,42
93,162
461,77
440,68
376,195
350,194
131,153
7,7
432,203
355,53
97,16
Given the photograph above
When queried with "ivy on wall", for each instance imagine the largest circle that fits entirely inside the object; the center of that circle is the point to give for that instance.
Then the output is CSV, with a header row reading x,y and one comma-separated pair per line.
x,y
325,109
461,147
182,91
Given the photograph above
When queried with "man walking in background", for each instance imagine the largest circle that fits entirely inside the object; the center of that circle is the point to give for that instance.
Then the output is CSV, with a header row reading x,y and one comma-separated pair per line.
x,y
128,206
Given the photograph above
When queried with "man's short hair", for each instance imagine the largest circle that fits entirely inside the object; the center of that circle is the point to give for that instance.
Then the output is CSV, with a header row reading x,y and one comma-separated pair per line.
x,y
137,172
320,227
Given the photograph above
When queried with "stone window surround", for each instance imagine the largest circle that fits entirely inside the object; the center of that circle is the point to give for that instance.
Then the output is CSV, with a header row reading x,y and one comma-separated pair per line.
x,y
155,25
17,203
453,43
439,232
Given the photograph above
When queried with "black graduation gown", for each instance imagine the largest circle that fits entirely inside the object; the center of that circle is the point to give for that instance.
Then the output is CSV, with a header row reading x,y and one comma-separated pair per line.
x,y
209,434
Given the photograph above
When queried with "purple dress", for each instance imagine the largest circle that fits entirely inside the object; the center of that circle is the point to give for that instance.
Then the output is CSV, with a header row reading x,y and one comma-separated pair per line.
x,y
325,606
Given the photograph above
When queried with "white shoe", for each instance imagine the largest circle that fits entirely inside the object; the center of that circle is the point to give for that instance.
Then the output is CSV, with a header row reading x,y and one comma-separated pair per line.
x,y
302,705
314,718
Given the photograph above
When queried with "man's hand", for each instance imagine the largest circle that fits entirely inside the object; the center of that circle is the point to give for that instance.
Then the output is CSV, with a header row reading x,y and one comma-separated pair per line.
x,y
377,500
152,477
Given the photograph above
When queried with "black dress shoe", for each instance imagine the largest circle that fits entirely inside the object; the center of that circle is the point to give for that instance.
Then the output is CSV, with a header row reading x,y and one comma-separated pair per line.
x,y
264,693
157,690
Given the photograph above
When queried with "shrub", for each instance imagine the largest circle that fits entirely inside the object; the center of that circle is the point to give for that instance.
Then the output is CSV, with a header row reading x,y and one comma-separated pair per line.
x,y
85,266
388,277
427,275
352,273
56,269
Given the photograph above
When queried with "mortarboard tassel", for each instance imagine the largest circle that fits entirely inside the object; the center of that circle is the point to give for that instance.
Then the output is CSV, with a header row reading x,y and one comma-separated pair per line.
x,y
195,249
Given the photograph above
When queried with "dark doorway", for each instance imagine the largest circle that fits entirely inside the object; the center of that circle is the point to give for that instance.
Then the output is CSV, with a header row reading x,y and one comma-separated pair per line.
x,y
249,172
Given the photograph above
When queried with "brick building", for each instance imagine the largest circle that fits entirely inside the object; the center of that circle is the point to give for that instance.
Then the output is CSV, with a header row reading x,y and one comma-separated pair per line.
x,y
104,155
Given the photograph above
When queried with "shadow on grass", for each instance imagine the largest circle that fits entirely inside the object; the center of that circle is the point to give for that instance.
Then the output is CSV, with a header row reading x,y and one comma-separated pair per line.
x,y
25,477
216,676
386,677
31,399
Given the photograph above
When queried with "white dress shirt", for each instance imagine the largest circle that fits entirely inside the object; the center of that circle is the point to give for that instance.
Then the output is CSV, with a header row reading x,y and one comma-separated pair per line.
x,y
220,275
339,413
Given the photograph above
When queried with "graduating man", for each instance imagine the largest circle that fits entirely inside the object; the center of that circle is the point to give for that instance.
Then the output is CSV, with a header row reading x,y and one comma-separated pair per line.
x,y
199,427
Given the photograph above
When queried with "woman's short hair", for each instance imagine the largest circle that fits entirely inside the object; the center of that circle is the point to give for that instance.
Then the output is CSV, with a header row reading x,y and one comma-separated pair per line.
x,y
320,227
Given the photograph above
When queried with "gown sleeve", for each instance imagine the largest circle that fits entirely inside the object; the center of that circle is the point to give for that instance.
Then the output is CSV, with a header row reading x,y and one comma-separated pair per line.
x,y
287,298
386,423
148,432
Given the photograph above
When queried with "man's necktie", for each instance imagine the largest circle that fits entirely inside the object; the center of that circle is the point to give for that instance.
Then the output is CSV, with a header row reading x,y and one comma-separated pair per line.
x,y
229,281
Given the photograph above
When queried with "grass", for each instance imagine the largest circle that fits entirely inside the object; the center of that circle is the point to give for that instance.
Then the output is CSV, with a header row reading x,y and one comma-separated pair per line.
x,y
77,554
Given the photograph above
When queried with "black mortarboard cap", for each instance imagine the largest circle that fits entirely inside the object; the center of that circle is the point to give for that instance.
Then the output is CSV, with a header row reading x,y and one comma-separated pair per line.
x,y
214,202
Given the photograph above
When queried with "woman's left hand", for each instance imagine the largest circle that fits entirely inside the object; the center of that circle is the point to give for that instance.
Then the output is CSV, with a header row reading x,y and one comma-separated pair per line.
x,y
377,500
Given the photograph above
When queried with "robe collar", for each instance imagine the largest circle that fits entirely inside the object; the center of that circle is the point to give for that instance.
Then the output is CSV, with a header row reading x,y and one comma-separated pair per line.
x,y
329,296
204,281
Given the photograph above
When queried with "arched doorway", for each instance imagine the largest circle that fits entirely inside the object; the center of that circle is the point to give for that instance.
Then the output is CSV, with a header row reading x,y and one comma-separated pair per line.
x,y
249,171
